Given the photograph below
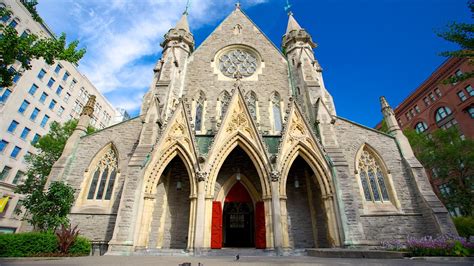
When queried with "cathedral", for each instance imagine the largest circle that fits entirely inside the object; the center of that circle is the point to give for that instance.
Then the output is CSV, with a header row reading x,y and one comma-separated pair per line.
x,y
238,144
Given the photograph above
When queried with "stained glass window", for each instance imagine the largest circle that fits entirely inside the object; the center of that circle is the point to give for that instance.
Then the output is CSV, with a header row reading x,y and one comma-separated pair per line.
x,y
199,111
224,98
104,176
372,177
239,60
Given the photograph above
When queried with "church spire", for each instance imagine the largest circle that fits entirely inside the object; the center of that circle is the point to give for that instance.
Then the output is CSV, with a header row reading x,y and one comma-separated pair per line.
x,y
292,23
183,22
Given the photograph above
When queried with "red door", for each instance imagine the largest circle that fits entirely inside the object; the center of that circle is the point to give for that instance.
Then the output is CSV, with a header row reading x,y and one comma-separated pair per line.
x,y
216,229
260,239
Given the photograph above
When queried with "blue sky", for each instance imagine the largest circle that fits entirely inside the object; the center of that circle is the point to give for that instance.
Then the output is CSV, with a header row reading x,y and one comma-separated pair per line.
x,y
367,48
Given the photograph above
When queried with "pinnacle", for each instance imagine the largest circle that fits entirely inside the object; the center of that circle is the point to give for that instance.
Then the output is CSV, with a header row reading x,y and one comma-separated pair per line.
x,y
183,23
384,102
292,23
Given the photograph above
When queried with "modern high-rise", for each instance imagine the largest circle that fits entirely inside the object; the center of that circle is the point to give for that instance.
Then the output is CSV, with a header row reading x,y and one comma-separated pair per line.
x,y
39,96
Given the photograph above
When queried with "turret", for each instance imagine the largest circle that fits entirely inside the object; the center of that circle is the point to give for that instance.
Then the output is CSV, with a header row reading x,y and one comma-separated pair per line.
x,y
166,87
394,129
305,71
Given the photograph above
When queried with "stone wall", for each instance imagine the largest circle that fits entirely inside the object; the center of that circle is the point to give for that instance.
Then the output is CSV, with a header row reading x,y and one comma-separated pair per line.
x,y
200,74
95,222
411,219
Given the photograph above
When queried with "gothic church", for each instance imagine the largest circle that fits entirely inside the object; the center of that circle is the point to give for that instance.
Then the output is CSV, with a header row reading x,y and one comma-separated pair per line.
x,y
239,145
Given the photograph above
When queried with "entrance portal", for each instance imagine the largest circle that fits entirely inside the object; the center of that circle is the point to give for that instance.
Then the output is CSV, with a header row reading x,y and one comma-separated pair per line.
x,y
238,224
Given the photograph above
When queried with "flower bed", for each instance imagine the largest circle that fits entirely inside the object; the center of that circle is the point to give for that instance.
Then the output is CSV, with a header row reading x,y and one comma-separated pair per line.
x,y
446,245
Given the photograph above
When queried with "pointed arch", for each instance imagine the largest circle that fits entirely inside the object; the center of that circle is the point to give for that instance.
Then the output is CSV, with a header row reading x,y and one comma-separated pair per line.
x,y
252,103
260,163
375,180
100,179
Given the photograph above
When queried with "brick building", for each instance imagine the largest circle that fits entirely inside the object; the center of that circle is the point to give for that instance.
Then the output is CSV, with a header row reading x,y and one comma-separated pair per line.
x,y
435,105
239,145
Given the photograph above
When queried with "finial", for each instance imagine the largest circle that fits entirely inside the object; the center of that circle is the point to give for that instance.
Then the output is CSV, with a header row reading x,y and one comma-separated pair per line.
x,y
237,76
187,7
288,8
384,102
237,5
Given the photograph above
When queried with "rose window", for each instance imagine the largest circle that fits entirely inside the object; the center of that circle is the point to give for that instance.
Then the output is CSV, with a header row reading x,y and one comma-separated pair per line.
x,y
238,60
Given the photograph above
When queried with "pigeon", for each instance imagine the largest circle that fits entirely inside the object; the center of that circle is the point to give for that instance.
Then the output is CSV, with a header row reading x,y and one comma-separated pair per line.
x,y
237,257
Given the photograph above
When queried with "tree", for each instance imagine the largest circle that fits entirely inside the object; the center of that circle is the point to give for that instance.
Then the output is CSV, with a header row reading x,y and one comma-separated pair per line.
x,y
23,49
452,161
461,34
46,210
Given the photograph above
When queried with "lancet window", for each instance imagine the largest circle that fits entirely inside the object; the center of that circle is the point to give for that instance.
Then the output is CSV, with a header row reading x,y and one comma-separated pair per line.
x,y
224,99
199,111
372,177
252,104
276,112
103,177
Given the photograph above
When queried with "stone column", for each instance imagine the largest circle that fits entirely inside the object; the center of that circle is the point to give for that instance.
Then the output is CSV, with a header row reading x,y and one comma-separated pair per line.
x,y
200,212
277,229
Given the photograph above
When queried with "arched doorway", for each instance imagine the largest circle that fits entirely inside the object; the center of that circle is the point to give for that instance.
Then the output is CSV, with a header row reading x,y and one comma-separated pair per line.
x,y
238,214
306,213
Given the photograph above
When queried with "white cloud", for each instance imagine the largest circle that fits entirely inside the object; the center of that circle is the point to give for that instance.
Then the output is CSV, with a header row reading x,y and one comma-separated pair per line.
x,y
121,36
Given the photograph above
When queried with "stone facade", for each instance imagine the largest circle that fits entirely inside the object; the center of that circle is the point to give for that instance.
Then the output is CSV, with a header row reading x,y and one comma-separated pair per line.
x,y
304,176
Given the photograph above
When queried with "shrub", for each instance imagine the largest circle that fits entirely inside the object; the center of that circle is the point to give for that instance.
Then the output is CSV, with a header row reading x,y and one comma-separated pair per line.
x,y
66,236
81,247
446,245
27,244
39,244
465,226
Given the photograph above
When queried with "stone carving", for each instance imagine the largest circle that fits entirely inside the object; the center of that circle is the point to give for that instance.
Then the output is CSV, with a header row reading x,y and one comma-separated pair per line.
x,y
275,176
201,176
89,107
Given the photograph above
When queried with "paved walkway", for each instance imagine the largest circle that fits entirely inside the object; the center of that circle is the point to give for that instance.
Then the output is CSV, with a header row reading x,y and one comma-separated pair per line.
x,y
221,261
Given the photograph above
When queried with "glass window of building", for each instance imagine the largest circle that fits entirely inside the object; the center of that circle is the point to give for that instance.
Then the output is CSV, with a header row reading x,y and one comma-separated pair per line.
x,y
5,172
276,112
44,121
16,76
43,97
34,114
6,17
52,104
59,90
5,95
24,105
58,68
12,127
13,23
15,152
36,138
421,127
51,82
33,89
24,134
60,111
66,76
19,175
432,97
438,92
470,111
3,145
66,98
459,72
450,123
462,96
470,90
442,113
73,83
41,74
426,101
417,109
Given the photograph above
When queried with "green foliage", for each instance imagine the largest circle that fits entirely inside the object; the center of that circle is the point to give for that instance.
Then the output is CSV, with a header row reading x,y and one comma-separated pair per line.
x,y
46,210
66,236
464,226
384,127
452,158
31,6
39,244
27,244
81,247
26,48
461,34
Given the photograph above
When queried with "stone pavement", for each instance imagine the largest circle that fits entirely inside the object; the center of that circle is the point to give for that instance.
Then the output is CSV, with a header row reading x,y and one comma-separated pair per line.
x,y
223,261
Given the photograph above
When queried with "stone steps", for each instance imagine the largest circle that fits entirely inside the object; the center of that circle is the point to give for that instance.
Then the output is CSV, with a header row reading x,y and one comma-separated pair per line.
x,y
354,253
